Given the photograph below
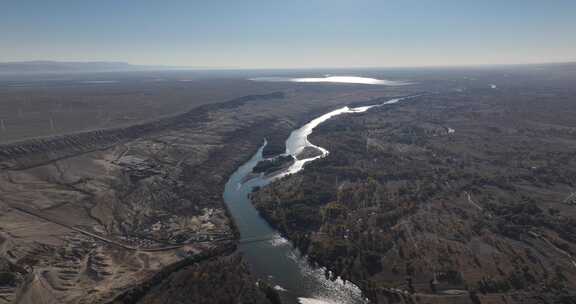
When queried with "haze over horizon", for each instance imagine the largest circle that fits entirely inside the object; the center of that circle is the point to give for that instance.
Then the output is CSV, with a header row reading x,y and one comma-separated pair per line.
x,y
295,34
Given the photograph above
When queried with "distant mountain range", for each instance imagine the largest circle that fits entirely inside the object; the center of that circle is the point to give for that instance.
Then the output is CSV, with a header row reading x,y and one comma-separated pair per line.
x,y
73,66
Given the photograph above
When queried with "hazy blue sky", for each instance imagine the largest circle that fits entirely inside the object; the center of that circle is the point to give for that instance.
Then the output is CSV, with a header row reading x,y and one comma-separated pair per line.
x,y
290,33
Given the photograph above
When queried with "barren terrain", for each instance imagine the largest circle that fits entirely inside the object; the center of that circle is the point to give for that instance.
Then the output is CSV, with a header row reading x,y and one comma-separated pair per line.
x,y
464,194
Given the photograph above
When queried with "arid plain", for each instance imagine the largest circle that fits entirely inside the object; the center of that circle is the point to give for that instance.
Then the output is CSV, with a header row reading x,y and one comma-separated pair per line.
x,y
111,190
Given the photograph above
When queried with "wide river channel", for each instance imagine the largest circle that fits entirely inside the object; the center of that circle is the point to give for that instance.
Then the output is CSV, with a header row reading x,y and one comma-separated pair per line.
x,y
277,261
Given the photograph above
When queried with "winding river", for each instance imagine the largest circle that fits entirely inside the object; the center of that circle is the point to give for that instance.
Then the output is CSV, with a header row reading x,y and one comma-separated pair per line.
x,y
277,261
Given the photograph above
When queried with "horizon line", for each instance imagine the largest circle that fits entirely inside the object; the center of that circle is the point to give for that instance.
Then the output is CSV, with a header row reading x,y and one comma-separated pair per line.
x,y
160,67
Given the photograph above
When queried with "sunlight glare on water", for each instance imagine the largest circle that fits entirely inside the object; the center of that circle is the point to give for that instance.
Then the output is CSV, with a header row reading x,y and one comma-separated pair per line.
x,y
277,261
335,79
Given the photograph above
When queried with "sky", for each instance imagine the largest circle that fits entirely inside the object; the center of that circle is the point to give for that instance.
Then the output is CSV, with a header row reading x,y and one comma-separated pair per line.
x,y
290,33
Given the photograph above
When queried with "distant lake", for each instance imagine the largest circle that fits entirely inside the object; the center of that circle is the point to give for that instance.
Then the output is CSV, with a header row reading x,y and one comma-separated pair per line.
x,y
334,79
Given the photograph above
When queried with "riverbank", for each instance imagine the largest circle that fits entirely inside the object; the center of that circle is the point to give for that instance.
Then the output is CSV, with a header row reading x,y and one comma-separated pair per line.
x,y
292,272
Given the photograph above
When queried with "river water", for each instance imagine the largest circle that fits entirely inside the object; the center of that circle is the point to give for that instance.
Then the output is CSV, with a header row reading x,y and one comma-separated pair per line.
x,y
277,261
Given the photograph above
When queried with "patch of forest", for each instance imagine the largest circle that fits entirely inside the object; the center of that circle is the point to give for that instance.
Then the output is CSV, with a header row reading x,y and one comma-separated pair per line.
x,y
463,194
